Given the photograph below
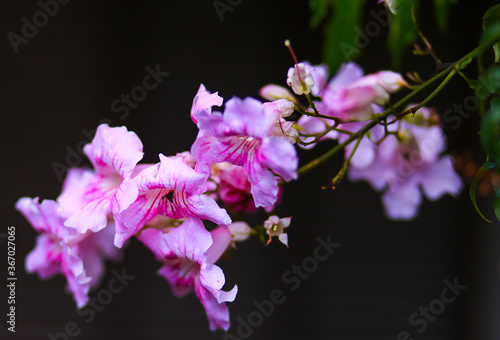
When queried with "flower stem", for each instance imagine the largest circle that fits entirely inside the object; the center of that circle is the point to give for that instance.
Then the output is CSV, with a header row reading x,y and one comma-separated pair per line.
x,y
449,72
320,160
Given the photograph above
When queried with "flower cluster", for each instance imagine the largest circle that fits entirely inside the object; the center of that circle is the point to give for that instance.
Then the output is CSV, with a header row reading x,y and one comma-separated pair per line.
x,y
237,164
237,160
398,155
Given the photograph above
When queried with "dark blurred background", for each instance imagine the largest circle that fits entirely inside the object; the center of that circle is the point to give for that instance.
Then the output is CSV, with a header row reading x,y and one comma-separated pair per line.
x,y
61,84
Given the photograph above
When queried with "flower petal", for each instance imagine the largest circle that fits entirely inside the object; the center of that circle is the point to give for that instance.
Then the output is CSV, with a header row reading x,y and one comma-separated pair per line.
x,y
217,313
200,206
78,282
247,117
440,178
45,258
45,217
402,199
190,241
135,217
221,238
75,185
203,101
279,155
114,150
264,185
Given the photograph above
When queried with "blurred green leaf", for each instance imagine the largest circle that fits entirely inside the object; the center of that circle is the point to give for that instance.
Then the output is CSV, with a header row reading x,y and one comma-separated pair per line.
x,y
442,12
491,26
473,187
345,34
490,130
401,31
319,10
497,207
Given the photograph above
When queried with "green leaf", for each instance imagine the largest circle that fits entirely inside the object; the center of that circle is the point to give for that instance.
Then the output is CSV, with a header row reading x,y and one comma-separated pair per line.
x,y
344,33
490,129
497,207
401,32
473,187
319,10
491,26
442,11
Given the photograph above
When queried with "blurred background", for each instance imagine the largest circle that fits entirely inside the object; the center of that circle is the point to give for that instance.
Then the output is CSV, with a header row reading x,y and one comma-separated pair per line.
x,y
61,84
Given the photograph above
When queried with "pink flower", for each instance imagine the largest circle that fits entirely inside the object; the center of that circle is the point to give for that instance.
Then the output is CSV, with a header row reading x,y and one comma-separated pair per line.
x,y
114,153
366,151
407,162
62,250
170,188
242,136
188,254
348,97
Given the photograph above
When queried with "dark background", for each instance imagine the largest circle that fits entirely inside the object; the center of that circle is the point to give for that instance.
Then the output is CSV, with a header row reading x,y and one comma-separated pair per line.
x,y
63,82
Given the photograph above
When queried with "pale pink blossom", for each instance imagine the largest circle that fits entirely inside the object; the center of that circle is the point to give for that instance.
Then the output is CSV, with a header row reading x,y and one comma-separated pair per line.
x,y
188,254
63,250
408,161
114,153
170,188
242,136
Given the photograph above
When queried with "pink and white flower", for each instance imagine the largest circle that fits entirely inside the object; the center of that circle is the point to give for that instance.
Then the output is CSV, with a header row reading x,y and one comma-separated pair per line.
x,y
63,250
114,153
188,254
242,136
170,188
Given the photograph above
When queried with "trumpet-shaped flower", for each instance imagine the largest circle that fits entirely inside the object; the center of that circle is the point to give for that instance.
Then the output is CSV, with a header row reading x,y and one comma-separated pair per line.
x,y
170,188
114,153
348,97
63,250
405,162
188,253
242,136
